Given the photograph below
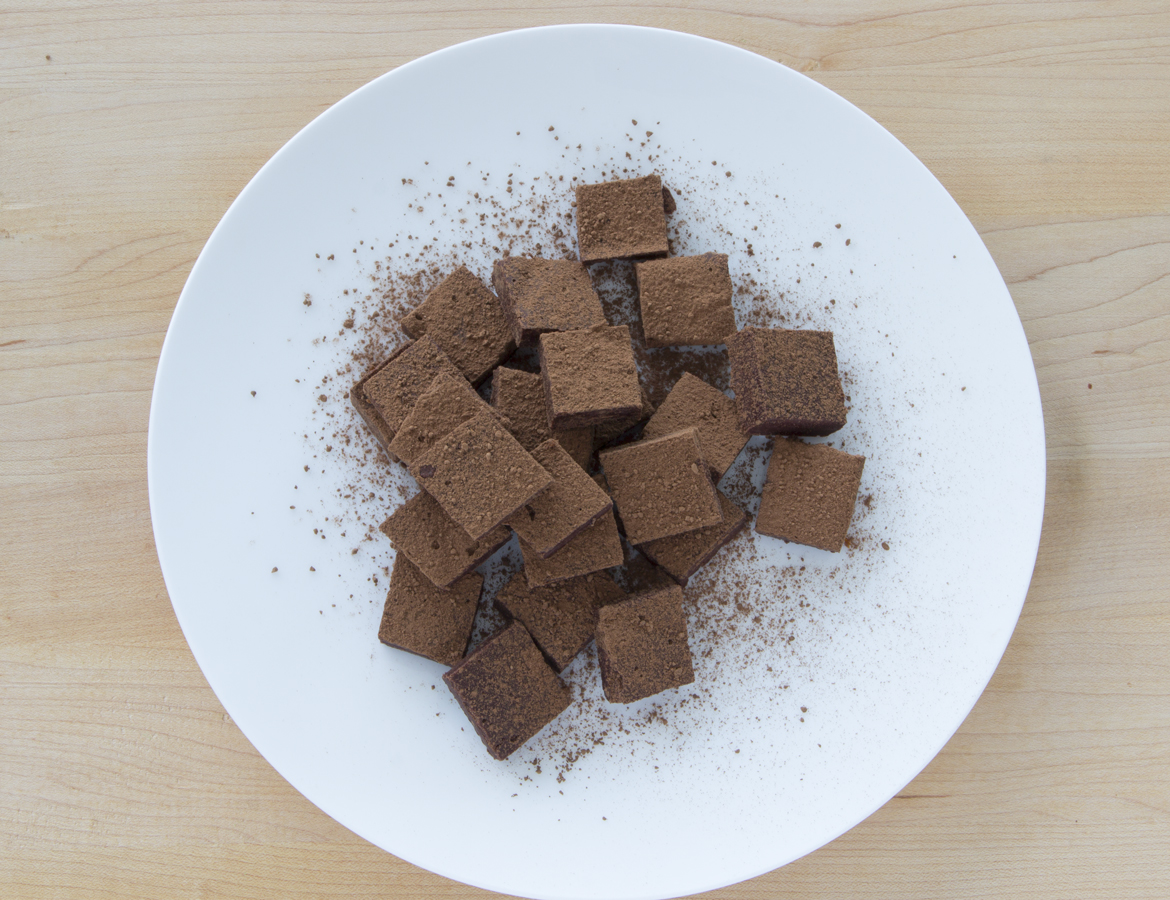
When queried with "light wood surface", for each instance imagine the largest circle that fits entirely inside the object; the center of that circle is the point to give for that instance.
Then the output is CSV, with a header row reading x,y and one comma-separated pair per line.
x,y
128,128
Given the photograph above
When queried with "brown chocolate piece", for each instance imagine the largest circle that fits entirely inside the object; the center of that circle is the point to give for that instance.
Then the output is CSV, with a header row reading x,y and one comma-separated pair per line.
x,y
421,618
621,219
786,381
428,537
642,646
465,319
562,510
810,494
507,691
597,547
577,442
541,295
519,397
447,403
661,487
692,403
479,474
562,617
613,430
682,555
638,573
386,394
685,300
668,202
590,376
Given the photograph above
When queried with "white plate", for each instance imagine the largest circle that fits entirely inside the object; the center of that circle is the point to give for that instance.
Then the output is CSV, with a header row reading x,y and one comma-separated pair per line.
x,y
787,743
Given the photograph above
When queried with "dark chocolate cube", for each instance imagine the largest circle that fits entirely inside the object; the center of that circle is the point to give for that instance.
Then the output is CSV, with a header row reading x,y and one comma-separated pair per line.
x,y
810,494
465,319
590,376
446,404
562,510
541,295
621,219
507,690
429,538
642,645
682,555
661,487
386,394
685,300
786,381
596,547
561,618
520,398
429,621
479,474
692,403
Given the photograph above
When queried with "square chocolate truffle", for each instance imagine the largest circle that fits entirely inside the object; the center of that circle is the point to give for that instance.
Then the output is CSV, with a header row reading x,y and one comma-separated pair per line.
x,y
465,319
447,403
507,690
661,487
386,394
541,295
621,219
519,397
638,573
614,430
444,552
479,474
562,617
562,510
597,547
685,300
810,494
429,621
590,376
786,381
682,555
692,403
642,645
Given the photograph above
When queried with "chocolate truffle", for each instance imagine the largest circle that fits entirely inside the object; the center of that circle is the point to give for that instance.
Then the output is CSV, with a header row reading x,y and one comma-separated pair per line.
x,y
447,403
562,617
562,510
638,573
519,397
423,619
507,691
428,537
386,394
465,319
614,430
597,547
809,494
786,381
661,487
692,403
621,219
479,474
589,376
682,555
642,645
685,300
540,295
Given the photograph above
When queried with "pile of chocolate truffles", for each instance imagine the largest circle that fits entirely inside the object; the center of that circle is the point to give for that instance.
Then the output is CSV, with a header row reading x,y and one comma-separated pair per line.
x,y
576,463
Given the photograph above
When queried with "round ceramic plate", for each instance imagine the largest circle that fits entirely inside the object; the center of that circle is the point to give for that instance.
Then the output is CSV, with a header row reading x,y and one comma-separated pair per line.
x,y
824,682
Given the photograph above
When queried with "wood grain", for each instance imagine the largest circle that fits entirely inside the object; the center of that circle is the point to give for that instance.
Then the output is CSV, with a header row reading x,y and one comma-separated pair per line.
x,y
130,127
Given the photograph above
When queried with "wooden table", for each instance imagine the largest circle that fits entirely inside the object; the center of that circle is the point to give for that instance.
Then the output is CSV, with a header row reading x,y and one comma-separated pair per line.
x,y
128,128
